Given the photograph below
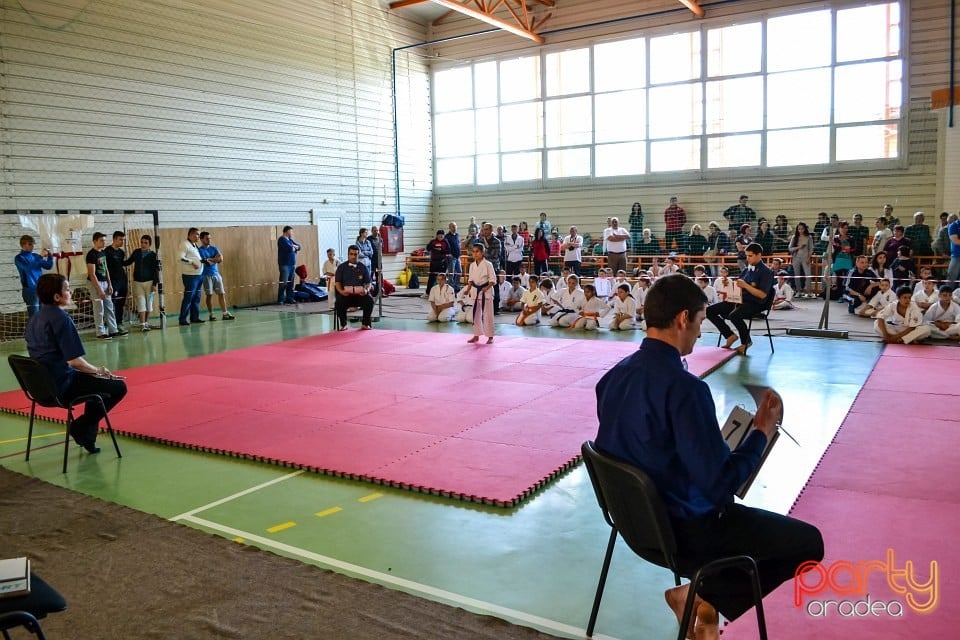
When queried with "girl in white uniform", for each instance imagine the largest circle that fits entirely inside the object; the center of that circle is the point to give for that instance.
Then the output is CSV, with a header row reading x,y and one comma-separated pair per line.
x,y
549,307
531,302
441,301
782,293
481,278
464,306
902,321
726,287
594,308
624,310
880,300
570,301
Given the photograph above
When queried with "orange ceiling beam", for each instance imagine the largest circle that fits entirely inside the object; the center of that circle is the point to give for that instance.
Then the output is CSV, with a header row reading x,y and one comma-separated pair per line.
x,y
524,24
693,6
522,30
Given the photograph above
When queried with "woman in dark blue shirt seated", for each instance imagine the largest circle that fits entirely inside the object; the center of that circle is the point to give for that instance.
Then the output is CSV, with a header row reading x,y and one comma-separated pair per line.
x,y
53,340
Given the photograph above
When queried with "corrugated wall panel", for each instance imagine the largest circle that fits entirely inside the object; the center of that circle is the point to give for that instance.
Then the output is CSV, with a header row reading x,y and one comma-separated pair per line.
x,y
214,112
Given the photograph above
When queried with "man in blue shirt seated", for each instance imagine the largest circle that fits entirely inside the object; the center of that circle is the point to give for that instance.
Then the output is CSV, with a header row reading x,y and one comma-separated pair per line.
x,y
756,291
352,282
657,416
52,339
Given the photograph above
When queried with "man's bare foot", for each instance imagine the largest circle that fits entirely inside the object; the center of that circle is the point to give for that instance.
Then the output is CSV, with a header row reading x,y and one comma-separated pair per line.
x,y
489,340
708,623
676,598
473,339
730,341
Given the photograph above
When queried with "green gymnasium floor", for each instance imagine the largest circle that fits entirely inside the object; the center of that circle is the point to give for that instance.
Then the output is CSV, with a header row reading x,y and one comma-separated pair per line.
x,y
535,565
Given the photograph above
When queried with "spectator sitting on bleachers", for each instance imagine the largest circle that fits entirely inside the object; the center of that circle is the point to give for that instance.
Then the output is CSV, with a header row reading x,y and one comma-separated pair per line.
x,y
512,297
570,299
726,288
860,284
926,273
943,317
903,267
624,310
782,293
881,268
744,238
669,267
781,234
593,309
694,244
649,246
603,284
901,321
441,301
892,246
717,242
464,305
879,301
919,236
927,296
941,244
708,290
531,303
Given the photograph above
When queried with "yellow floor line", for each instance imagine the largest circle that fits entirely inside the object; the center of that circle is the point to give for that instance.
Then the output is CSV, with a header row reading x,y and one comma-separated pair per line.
x,y
238,539
46,435
281,527
372,496
328,512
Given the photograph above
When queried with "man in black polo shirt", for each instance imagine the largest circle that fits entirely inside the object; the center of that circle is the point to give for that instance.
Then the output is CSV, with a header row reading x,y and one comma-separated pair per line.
x,y
756,287
352,282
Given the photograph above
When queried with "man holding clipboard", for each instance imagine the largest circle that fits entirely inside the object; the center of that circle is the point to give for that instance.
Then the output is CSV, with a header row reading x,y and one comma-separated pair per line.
x,y
352,282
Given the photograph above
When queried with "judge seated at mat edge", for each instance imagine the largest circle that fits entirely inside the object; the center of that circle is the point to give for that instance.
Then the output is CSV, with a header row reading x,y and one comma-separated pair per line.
x,y
352,282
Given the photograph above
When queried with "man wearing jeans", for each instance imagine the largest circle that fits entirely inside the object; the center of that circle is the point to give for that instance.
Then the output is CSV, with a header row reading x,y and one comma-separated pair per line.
x,y
287,261
953,273
191,273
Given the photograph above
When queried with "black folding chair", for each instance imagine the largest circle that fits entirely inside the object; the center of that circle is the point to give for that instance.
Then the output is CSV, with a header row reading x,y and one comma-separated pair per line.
x,y
632,507
764,315
25,611
39,387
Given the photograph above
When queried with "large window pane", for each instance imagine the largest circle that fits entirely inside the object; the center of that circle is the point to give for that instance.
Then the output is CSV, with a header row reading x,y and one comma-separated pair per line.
x,y
568,72
453,171
520,79
734,50
488,130
868,32
485,84
798,98
452,89
799,41
488,169
453,133
621,116
565,163
675,155
676,111
870,91
735,105
522,166
798,146
619,65
734,151
625,159
568,122
863,143
521,127
675,57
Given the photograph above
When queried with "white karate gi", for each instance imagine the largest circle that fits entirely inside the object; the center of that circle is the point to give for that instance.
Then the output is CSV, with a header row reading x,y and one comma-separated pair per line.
x,y
593,305
628,307
532,298
477,276
440,296
896,322
464,306
570,303
937,313
785,292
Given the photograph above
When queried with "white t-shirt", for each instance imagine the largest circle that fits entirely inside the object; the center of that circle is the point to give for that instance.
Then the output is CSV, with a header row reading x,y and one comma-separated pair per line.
x,y
615,246
189,253
575,254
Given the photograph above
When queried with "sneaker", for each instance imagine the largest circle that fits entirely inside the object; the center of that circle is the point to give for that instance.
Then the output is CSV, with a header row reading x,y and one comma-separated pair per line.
x,y
104,336
212,317
144,327
229,316
197,321
119,332
184,324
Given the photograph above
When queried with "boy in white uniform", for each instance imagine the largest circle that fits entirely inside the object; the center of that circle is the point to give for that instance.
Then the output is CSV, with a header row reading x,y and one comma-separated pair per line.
x,y
570,300
639,294
524,277
782,293
441,301
708,290
624,310
504,286
926,273
603,284
880,300
726,287
902,321
530,304
594,308
329,270
512,301
464,306
927,297
549,307
943,318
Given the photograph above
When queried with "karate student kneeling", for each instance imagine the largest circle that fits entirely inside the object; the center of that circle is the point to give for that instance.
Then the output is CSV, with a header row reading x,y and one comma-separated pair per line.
x,y
570,301
531,302
441,301
594,308
624,310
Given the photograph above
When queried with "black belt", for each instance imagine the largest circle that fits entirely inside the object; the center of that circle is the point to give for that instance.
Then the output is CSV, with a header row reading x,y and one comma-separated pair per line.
x,y
615,253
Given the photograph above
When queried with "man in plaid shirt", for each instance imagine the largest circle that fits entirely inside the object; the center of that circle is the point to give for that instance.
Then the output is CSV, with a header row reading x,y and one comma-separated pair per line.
x,y
675,217
740,214
919,234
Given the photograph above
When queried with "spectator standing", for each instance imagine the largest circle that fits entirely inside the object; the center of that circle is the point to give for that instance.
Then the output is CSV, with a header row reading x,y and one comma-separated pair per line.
x,y
880,236
376,260
819,229
765,237
740,214
718,243
191,274
329,270
941,245
146,277
438,250
525,232
953,271
892,220
859,233
30,266
454,250
366,250
101,290
513,251
555,246
843,255
921,243
287,261
781,234
545,224
473,232
573,250
615,240
118,275
674,217
892,246
541,252
636,225
801,251
212,281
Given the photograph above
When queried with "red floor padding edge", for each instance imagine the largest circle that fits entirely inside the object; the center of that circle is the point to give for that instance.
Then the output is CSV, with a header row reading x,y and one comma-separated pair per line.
x,y
420,411
887,482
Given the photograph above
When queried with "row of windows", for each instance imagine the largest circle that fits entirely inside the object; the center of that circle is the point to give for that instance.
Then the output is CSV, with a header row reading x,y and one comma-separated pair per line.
x,y
811,87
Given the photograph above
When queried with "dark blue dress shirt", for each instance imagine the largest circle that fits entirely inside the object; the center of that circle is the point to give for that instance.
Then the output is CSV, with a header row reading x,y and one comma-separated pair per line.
x,y
760,276
52,339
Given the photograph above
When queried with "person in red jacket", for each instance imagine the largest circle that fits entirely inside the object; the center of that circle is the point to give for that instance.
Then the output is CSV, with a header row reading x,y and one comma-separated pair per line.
x,y
540,250
675,217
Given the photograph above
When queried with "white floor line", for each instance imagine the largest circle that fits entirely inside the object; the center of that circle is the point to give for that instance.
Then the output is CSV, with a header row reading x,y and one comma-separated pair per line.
x,y
239,494
472,604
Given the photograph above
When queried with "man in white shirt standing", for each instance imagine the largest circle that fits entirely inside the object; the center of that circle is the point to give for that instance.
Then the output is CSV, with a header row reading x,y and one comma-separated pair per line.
x,y
191,273
513,249
615,240
572,246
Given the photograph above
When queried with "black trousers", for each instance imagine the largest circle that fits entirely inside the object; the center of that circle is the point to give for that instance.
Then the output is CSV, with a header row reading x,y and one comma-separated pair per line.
x,y
435,268
86,426
345,302
540,267
738,314
513,268
573,265
779,544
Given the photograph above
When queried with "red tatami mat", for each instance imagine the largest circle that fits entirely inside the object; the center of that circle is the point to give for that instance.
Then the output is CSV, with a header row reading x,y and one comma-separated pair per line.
x,y
887,482
417,410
